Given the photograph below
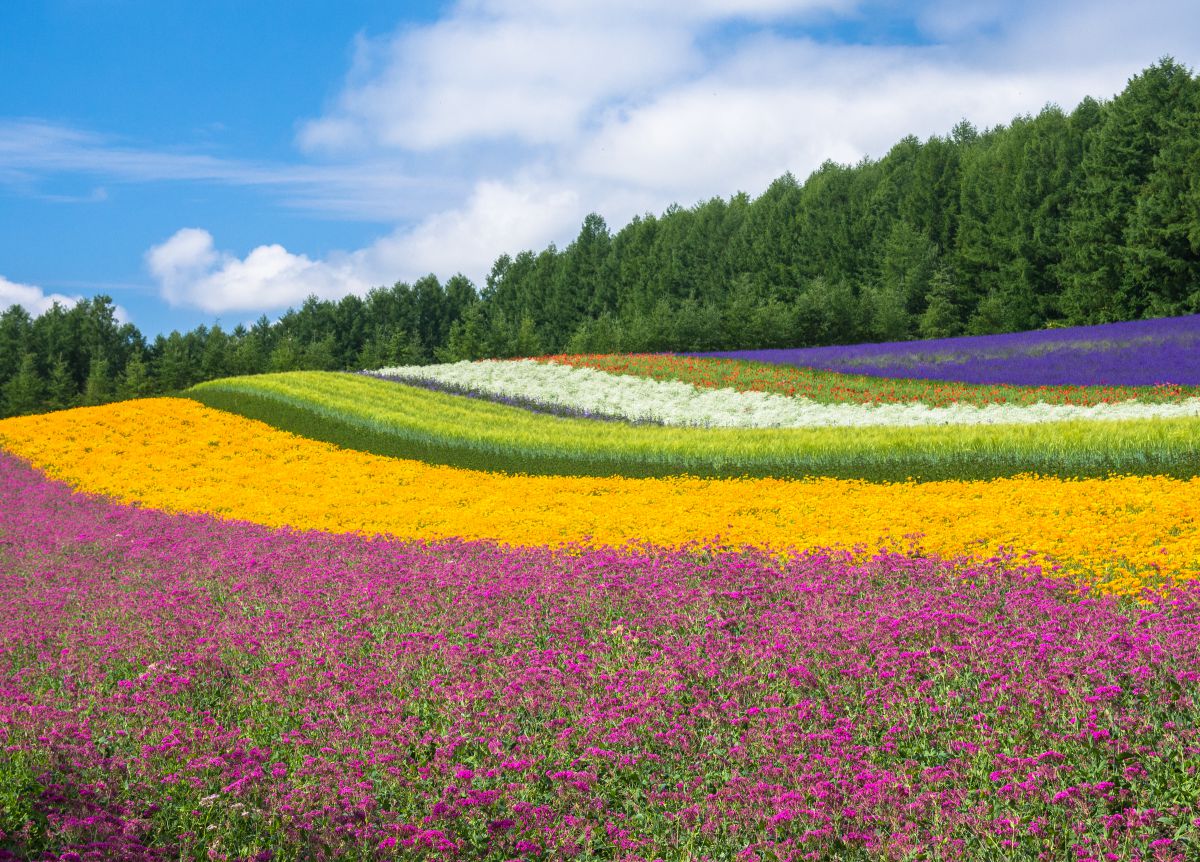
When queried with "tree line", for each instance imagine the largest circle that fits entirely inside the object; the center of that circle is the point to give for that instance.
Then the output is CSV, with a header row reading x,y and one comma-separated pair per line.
x,y
1061,218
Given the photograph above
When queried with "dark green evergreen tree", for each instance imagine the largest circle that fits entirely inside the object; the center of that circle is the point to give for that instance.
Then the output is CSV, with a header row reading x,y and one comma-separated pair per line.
x,y
942,317
1161,255
135,380
287,355
16,339
61,390
175,366
98,388
25,392
1119,158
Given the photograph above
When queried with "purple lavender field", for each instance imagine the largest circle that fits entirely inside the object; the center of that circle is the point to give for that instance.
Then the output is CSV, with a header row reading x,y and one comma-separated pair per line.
x,y
1136,353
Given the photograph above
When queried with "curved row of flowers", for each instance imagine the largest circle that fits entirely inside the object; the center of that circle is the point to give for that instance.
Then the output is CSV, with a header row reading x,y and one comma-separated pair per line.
x,y
1128,353
404,421
173,454
834,387
587,391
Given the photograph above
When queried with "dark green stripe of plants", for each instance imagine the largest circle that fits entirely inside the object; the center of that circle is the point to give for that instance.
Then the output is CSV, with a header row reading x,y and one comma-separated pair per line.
x,y
881,465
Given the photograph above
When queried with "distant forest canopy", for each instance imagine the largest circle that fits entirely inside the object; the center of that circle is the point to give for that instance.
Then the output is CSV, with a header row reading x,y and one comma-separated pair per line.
x,y
1062,218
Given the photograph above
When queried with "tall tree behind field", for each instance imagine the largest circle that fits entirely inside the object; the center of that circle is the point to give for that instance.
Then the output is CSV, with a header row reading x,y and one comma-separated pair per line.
x,y
1119,159
1161,254
631,249
834,224
583,284
16,340
1014,194
764,249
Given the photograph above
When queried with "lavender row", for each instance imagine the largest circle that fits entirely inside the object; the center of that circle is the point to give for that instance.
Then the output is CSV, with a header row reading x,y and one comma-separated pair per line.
x,y
1135,353
179,687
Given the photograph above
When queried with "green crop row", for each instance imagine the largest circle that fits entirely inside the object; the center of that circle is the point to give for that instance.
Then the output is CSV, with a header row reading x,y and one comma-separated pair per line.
x,y
396,420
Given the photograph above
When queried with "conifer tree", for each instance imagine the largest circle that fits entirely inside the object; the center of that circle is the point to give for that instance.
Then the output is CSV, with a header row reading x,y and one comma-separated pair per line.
x,y
98,388
61,389
135,380
25,391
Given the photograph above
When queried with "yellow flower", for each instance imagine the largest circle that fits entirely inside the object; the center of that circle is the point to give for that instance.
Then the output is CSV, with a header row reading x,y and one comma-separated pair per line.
x,y
177,455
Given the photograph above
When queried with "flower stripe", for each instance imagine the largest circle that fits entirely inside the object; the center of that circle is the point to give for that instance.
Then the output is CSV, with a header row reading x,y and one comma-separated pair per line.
x,y
674,402
176,455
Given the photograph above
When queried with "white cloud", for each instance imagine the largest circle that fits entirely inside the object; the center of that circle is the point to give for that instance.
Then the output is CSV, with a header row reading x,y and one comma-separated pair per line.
x,y
191,272
947,20
534,71
498,217
1075,34
33,299
468,79
786,105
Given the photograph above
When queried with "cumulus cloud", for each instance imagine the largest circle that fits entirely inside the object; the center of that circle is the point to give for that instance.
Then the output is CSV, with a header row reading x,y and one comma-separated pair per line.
x,y
466,79
191,272
498,217
748,120
33,299
1072,34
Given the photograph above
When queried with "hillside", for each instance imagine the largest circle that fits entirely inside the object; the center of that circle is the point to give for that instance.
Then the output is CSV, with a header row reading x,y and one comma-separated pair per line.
x,y
1059,218
471,611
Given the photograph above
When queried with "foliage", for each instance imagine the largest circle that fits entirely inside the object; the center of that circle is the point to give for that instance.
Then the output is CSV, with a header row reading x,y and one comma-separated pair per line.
x,y
81,355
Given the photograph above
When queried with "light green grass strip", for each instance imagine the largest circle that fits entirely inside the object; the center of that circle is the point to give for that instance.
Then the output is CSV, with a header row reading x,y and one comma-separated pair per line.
x,y
399,420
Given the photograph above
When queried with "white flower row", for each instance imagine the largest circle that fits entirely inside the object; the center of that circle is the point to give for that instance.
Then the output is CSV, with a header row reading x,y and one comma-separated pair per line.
x,y
674,402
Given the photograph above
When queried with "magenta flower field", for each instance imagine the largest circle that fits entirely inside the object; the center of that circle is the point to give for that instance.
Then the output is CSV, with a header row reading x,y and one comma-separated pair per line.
x,y
177,687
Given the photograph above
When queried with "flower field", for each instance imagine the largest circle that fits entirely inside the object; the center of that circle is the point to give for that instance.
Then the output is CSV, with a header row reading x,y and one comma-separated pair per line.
x,y
1165,351
621,608
185,687
586,392
1121,532
834,387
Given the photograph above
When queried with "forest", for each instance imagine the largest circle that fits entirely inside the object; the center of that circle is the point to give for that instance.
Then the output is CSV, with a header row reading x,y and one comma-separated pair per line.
x,y
1055,219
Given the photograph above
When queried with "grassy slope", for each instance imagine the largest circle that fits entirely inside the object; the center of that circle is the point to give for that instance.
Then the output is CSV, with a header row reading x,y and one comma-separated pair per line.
x,y
400,421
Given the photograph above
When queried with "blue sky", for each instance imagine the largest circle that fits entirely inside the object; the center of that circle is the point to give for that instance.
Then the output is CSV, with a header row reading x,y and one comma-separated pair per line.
x,y
219,160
